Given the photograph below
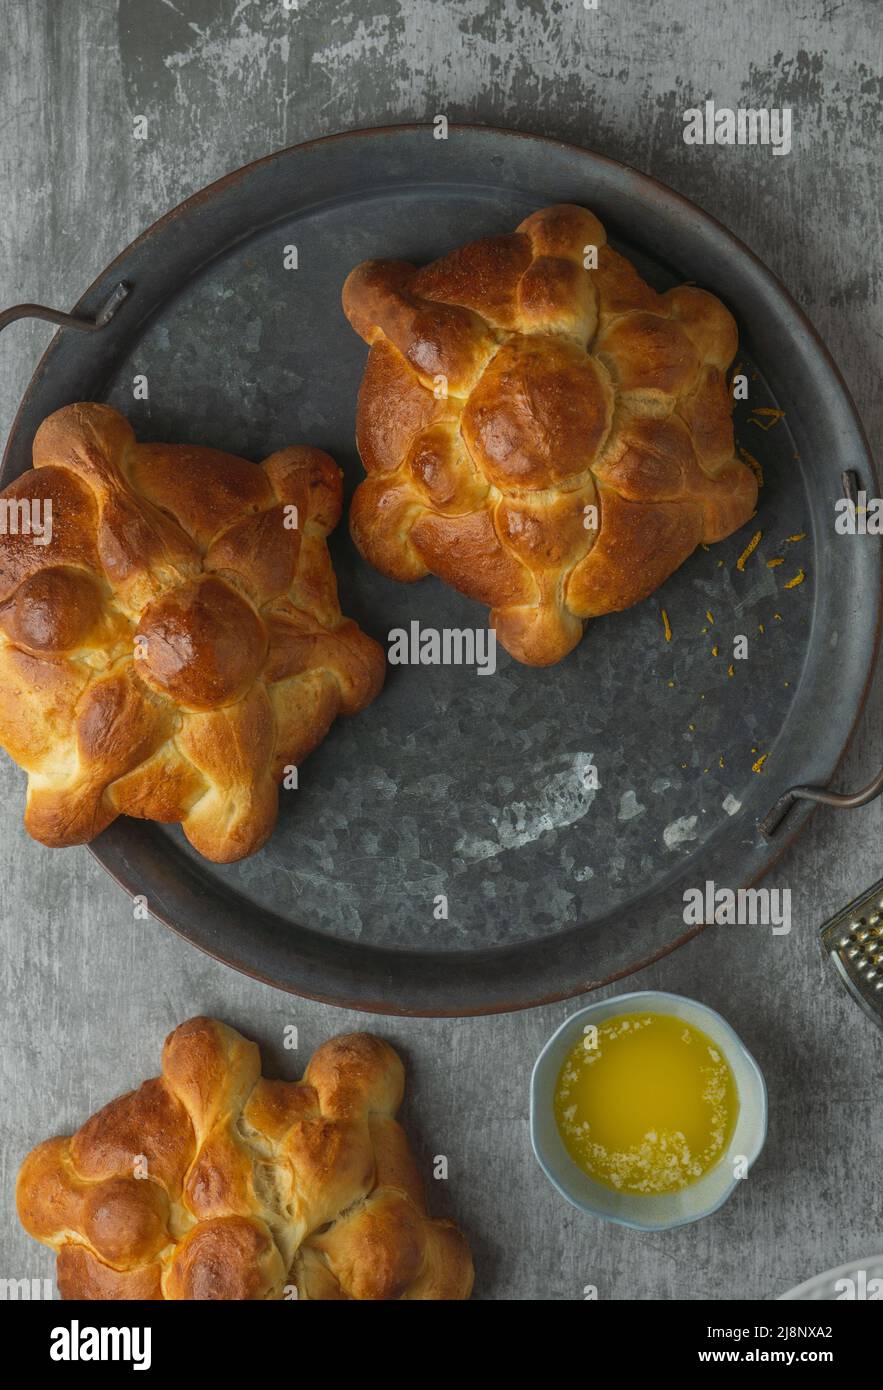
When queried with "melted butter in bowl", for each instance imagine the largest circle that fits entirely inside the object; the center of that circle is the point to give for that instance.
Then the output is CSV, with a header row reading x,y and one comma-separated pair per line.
x,y
647,1110
646,1103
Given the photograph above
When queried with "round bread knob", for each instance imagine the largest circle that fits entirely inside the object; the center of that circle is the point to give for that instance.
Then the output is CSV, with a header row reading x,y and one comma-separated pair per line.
x,y
539,414
202,644
54,610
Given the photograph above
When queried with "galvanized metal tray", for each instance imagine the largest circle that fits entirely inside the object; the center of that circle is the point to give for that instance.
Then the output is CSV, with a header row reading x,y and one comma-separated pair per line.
x,y
474,790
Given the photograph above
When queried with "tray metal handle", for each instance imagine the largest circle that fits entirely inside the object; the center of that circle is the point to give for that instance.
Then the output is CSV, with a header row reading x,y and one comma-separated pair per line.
x,y
83,325
843,801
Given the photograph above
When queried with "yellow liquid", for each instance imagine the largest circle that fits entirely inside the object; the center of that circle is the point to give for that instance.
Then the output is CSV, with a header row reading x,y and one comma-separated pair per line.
x,y
650,1108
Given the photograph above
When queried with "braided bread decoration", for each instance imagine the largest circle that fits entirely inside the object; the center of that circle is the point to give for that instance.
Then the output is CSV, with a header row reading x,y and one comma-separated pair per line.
x,y
211,1182
509,390
178,641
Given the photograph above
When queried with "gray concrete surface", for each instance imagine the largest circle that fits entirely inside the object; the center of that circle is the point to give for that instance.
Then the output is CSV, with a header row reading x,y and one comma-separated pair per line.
x,y
88,993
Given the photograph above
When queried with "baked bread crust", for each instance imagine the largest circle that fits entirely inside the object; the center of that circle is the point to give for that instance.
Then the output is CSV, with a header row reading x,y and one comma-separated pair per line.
x,y
249,1186
507,390
178,643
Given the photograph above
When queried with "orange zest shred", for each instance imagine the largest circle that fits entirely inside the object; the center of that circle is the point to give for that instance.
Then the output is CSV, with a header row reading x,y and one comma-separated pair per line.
x,y
758,766
768,414
798,579
776,560
666,625
749,550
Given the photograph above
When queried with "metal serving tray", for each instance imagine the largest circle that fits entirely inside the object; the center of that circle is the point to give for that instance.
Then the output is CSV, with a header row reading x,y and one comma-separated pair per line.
x,y
475,788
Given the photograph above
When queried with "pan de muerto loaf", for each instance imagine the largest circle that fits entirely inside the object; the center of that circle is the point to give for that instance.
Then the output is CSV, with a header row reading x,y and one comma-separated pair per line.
x,y
173,641
211,1182
552,440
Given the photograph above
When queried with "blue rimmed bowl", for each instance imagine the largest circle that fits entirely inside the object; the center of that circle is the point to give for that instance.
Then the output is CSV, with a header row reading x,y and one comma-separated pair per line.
x,y
671,1209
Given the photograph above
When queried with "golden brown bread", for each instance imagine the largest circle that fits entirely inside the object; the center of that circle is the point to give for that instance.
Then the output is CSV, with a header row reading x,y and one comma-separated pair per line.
x,y
211,1182
178,643
508,389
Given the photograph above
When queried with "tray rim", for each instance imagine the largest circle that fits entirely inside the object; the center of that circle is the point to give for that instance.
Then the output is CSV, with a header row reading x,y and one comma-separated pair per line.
x,y
113,862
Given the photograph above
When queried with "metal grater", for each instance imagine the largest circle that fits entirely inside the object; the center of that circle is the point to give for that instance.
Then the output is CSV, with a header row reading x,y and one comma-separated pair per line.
x,y
854,940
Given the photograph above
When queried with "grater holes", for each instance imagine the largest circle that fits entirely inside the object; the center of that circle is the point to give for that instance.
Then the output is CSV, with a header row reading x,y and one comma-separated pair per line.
x,y
855,936
860,946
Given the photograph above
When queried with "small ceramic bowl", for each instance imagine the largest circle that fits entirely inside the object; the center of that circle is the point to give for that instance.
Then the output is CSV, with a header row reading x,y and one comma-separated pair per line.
x,y
672,1209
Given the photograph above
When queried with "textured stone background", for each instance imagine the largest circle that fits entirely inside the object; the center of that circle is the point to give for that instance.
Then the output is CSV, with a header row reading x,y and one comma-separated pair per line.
x,y
89,994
